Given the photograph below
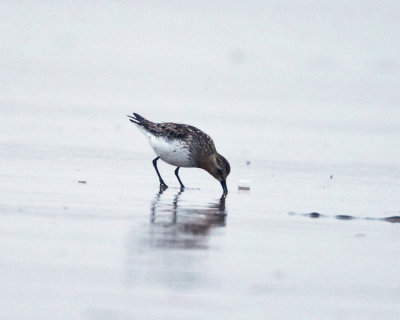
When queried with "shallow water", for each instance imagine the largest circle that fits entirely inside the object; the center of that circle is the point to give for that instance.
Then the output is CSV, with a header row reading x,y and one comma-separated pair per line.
x,y
116,247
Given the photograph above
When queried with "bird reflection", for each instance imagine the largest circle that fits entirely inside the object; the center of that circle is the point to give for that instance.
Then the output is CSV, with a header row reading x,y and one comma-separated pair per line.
x,y
182,225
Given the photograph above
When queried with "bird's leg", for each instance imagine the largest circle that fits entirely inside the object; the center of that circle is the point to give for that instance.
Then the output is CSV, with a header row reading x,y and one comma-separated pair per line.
x,y
223,184
162,183
179,179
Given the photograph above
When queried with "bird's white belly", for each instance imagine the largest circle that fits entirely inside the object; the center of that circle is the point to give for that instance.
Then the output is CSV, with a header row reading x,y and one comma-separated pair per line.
x,y
173,152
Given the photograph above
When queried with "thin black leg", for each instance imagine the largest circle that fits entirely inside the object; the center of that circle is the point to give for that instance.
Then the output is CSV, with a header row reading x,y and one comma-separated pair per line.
x,y
223,184
179,179
162,183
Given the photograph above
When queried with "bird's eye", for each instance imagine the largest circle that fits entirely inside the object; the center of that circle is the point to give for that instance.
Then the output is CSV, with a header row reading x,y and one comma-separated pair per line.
x,y
219,171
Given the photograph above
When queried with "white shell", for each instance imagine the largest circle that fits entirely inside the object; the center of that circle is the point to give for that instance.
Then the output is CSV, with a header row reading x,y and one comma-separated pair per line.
x,y
171,151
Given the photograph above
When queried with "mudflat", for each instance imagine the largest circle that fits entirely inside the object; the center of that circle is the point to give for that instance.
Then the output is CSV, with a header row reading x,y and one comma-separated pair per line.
x,y
86,234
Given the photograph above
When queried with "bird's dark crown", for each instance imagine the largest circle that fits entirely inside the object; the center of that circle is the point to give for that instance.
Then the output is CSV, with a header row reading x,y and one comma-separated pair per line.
x,y
217,166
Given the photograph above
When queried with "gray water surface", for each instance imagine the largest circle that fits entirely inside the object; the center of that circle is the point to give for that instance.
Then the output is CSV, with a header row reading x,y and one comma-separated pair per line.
x,y
115,247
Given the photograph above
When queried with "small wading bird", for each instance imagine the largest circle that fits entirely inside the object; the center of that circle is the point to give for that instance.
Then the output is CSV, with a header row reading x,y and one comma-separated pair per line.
x,y
182,145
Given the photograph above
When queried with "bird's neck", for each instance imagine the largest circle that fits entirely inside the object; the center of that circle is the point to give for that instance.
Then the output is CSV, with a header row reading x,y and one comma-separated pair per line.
x,y
208,162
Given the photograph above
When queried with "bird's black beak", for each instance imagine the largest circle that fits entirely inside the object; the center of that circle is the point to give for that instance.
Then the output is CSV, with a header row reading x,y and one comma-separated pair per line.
x,y
223,184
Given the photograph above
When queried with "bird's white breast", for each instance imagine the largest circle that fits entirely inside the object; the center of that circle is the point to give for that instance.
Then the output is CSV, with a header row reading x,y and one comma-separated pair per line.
x,y
173,151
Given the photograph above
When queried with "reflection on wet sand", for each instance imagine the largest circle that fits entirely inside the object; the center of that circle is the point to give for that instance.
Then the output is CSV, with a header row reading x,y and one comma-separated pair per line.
x,y
169,252
183,225
171,249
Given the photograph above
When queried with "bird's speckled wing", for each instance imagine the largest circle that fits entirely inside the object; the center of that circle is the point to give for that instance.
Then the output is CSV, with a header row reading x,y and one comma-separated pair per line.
x,y
199,143
197,140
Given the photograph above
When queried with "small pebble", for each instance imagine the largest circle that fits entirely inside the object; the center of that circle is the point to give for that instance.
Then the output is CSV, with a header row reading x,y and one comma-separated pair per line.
x,y
82,181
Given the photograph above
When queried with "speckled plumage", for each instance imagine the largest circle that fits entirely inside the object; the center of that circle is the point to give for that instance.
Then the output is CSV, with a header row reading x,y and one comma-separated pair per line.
x,y
183,145
199,144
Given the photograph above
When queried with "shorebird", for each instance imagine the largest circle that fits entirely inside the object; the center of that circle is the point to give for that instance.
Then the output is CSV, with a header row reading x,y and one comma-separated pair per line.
x,y
182,145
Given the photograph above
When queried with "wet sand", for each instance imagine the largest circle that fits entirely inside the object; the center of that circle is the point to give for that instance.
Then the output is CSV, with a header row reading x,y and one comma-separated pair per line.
x,y
114,247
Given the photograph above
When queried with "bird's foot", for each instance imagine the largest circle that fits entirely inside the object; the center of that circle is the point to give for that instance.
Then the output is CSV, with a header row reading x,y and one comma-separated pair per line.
x,y
163,186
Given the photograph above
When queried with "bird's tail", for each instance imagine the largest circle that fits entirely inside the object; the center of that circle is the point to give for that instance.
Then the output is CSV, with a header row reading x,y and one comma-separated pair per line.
x,y
138,119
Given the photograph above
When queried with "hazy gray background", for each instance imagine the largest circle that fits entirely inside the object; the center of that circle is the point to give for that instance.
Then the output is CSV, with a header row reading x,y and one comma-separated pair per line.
x,y
182,53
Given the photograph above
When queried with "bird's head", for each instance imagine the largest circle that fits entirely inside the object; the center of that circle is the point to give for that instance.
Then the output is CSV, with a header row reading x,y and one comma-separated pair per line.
x,y
219,168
